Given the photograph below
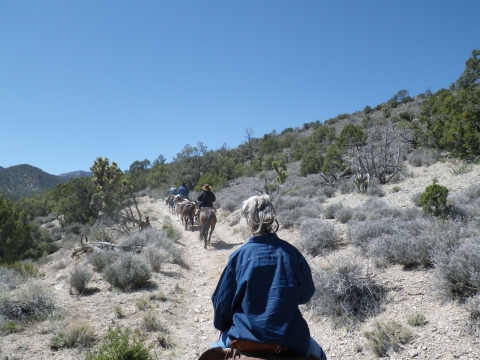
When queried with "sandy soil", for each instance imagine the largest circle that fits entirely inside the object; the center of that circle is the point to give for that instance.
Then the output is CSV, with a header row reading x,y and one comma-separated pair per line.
x,y
181,294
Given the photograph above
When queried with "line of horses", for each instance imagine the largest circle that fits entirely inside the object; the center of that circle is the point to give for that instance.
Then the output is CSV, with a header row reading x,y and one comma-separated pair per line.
x,y
185,210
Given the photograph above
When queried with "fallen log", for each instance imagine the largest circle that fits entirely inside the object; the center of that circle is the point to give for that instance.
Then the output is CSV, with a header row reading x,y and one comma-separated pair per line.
x,y
88,247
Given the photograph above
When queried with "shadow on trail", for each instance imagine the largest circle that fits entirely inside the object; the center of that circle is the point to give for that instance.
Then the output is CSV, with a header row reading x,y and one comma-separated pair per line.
x,y
182,264
220,245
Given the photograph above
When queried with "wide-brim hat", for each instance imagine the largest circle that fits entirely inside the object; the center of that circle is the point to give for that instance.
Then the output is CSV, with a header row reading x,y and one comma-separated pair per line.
x,y
207,187
172,186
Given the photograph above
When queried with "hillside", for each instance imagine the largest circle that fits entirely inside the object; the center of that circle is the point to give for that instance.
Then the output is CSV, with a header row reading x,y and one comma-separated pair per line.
x,y
75,174
179,294
25,181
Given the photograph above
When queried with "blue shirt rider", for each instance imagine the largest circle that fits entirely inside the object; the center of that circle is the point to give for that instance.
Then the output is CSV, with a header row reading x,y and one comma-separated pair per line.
x,y
183,191
172,190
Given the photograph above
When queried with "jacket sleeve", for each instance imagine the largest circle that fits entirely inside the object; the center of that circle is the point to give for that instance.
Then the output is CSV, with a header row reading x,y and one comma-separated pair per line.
x,y
222,299
213,197
307,287
200,197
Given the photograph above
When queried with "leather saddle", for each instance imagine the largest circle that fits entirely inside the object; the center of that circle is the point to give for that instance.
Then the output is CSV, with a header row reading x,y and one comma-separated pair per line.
x,y
248,350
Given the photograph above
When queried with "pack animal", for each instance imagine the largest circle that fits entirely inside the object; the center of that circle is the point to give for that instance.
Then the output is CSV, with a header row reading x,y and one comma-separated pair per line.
x,y
207,220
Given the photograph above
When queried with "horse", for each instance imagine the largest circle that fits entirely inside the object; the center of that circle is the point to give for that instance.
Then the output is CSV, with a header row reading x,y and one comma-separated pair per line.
x,y
207,220
187,212
170,201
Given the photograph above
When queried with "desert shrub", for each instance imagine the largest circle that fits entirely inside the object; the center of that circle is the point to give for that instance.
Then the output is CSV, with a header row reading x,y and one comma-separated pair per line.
x,y
330,210
347,187
131,271
459,270
362,233
143,304
33,301
74,336
461,168
79,277
316,236
327,191
155,238
423,157
101,233
343,215
411,213
473,308
387,337
100,258
434,200
9,327
155,257
292,210
345,292
396,189
417,319
230,205
121,344
416,198
151,322
118,312
375,189
9,279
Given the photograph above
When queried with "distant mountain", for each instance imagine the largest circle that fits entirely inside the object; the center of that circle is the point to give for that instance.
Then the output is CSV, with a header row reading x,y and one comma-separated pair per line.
x,y
25,181
75,174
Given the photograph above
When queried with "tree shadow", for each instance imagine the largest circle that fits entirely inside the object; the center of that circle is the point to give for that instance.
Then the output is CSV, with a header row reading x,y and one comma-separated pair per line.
x,y
90,291
221,245
182,264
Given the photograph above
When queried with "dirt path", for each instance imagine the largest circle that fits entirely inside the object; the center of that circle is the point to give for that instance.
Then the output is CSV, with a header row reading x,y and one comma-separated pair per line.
x,y
194,330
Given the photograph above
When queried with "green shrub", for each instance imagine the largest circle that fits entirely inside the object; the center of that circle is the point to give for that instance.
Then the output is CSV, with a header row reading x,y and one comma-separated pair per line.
x,y
75,336
9,327
118,311
416,319
387,336
142,304
150,322
434,200
121,344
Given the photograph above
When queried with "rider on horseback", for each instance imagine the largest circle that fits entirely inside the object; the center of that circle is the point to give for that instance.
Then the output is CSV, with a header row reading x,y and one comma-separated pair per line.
x,y
206,198
172,190
257,296
183,191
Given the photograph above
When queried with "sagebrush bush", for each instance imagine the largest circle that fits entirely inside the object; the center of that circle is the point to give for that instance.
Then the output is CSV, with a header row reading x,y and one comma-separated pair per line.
x,y
316,236
292,210
131,271
32,301
330,210
154,238
101,258
459,269
155,257
74,336
434,200
101,233
343,215
387,337
79,278
9,279
121,344
345,292
327,191
375,189
230,205
423,157
416,198
347,187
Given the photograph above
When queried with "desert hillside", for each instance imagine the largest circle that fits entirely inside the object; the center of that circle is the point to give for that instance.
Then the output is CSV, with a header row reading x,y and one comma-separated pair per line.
x,y
176,299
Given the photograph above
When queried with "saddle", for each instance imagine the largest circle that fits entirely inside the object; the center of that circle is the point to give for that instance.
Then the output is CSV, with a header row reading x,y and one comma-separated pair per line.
x,y
248,350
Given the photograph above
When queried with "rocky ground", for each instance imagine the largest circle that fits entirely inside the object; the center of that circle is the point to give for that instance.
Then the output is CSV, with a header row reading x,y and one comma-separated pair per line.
x,y
180,293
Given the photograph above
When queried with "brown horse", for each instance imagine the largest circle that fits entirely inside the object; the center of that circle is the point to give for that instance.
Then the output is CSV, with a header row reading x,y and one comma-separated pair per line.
x,y
207,220
185,210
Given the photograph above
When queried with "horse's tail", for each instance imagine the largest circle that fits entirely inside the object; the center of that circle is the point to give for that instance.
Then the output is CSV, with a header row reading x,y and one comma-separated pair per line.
x,y
206,224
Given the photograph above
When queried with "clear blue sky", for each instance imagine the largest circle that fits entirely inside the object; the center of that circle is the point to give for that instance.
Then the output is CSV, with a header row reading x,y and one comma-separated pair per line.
x,y
130,80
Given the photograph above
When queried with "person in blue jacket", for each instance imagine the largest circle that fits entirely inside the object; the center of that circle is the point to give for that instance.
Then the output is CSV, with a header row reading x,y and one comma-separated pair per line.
x,y
258,294
183,191
172,190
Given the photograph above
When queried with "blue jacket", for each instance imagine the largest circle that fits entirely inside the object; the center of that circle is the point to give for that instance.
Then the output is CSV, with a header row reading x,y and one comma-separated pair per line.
x,y
182,190
172,191
258,294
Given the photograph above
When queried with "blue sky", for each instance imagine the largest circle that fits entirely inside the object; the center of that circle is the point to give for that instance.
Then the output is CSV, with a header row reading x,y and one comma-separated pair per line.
x,y
130,80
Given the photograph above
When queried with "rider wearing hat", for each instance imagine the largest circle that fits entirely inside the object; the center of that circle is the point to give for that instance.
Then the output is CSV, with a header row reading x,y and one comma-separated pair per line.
x,y
206,197
172,190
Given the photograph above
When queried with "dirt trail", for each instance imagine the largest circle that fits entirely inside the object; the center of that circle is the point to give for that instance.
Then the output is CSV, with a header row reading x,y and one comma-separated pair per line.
x,y
194,328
